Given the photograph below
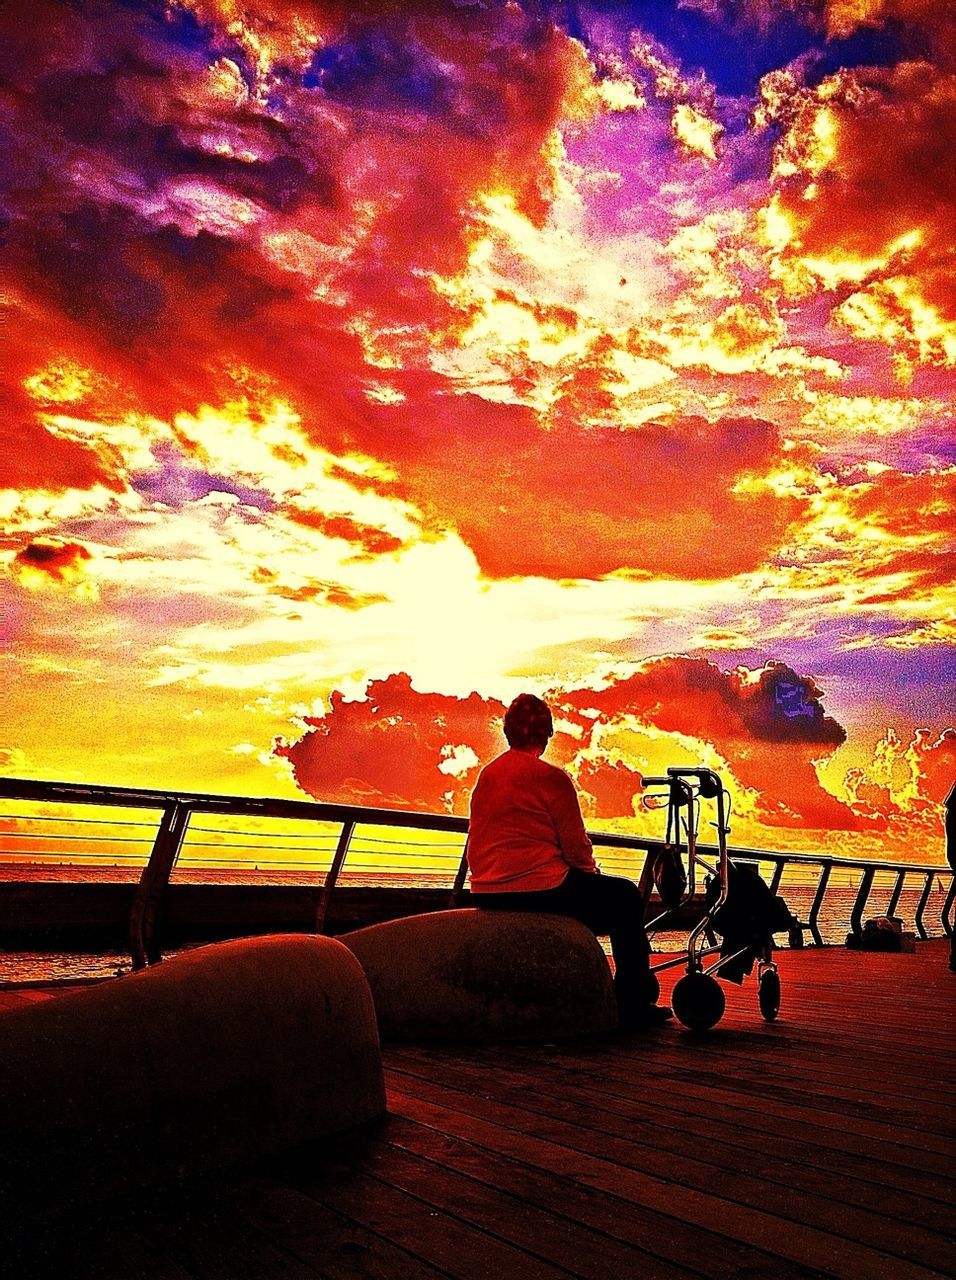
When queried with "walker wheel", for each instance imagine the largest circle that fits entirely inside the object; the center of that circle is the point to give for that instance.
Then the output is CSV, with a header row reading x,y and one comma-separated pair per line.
x,y
653,988
768,994
698,1001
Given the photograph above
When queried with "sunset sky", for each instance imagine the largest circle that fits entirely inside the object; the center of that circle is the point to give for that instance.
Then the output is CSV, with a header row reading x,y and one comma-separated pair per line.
x,y
364,365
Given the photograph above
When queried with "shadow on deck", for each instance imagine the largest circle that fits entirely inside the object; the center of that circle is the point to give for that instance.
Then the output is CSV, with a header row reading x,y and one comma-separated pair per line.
x,y
818,1145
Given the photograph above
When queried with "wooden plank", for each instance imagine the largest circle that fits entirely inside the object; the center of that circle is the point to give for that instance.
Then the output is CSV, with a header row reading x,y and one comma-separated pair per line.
x,y
336,1246
803,1169
442,1239
828,1208
617,1164
796,1128
556,1184
912,1125
496,1195
763,1066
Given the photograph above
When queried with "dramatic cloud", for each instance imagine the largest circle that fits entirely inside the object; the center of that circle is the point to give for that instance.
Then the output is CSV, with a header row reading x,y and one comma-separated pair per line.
x,y
609,788
393,745
863,208
576,502
45,563
905,784
188,215
500,345
370,540
768,724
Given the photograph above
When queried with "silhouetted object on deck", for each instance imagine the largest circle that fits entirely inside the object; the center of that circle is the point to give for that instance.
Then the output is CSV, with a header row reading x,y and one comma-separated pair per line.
x,y
485,976
747,920
217,1056
738,904
669,876
881,933
528,851
950,826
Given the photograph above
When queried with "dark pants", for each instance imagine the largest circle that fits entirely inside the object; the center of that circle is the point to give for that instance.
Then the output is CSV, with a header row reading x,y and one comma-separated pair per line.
x,y
608,905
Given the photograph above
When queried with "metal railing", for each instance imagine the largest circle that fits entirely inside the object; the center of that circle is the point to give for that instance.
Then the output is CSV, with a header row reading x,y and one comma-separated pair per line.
x,y
169,835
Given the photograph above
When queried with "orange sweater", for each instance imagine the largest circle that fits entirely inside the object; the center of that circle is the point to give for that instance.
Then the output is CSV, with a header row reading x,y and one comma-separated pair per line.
x,y
526,828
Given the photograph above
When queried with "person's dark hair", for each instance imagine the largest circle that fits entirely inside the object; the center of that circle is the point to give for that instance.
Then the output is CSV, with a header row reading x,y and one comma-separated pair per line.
x,y
528,722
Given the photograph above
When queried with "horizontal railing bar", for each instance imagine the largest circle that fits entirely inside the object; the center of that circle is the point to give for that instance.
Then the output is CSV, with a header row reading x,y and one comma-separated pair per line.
x,y
203,802
57,817
151,826
814,859
261,850
57,859
226,844
291,835
52,835
277,864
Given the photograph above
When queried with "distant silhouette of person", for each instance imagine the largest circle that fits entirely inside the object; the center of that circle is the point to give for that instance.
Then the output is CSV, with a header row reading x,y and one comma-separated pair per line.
x,y
950,803
528,851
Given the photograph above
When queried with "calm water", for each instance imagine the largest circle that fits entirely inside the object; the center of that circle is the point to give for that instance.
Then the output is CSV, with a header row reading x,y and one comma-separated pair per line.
x,y
18,966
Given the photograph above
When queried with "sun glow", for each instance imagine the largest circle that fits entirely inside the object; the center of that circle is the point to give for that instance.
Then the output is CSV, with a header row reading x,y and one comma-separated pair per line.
x,y
354,357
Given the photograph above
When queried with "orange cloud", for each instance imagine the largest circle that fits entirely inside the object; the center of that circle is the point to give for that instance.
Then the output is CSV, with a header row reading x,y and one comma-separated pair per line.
x,y
769,725
864,208
372,541
935,763
906,524
906,783
608,788
843,17
574,501
332,593
388,747
908,506
32,457
46,563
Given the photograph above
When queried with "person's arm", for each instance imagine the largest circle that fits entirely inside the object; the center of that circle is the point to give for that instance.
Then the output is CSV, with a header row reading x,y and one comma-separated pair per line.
x,y
569,825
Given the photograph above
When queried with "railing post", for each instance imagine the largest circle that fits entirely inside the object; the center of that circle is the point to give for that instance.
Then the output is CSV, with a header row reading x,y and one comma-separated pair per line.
x,y
921,906
144,948
895,895
818,897
947,905
460,876
777,876
856,915
341,849
646,882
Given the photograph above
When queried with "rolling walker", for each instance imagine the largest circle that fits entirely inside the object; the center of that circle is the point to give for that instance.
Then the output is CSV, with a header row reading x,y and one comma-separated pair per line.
x,y
739,905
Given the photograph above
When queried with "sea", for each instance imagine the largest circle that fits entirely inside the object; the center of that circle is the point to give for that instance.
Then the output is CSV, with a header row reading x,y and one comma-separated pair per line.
x,y
17,967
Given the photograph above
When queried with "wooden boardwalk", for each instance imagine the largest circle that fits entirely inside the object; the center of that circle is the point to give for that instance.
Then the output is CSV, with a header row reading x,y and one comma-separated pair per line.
x,y
819,1145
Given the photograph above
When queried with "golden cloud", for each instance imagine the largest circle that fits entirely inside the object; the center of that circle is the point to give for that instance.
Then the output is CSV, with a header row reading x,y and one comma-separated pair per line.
x,y
862,206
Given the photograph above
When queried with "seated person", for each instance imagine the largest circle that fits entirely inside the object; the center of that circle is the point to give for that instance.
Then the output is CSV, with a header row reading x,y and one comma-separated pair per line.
x,y
528,851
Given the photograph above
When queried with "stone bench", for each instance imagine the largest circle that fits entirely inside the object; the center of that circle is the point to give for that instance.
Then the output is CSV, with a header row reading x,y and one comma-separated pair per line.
x,y
225,1053
474,975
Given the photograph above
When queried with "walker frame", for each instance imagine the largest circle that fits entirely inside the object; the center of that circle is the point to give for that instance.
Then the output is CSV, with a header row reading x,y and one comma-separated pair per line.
x,y
697,998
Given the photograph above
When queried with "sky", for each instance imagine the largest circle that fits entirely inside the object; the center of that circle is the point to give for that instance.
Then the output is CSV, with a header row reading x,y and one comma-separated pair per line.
x,y
364,365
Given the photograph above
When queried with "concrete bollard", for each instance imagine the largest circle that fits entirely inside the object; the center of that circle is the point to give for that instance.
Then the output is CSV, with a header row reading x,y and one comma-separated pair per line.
x,y
474,975
222,1054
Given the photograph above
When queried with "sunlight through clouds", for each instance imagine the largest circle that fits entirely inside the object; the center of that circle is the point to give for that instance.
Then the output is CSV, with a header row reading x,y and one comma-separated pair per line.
x,y
356,353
